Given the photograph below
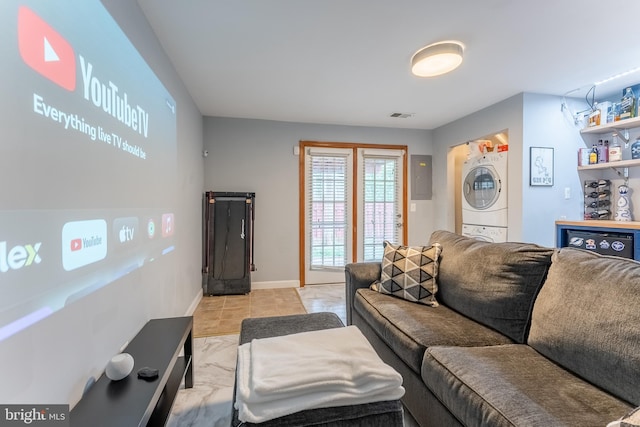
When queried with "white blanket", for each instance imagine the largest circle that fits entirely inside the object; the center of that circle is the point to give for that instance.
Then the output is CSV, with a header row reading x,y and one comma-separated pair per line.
x,y
332,367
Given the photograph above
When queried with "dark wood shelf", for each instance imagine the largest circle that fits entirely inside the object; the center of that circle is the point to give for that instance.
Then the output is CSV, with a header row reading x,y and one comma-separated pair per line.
x,y
163,408
136,402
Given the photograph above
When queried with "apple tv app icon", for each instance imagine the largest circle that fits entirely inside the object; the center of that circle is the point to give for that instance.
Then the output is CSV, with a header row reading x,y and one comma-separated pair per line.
x,y
125,230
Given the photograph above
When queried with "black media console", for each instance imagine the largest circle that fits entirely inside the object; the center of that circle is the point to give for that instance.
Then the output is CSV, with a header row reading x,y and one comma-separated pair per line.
x,y
137,402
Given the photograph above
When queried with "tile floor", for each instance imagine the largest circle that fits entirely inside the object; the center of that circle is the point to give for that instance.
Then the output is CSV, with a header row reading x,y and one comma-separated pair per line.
x,y
222,315
317,298
209,402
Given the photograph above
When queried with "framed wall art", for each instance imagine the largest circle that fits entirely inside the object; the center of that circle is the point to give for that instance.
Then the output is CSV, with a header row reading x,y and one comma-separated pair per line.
x,y
541,166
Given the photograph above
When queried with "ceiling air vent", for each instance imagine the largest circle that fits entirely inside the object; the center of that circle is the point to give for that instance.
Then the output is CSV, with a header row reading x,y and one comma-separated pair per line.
x,y
401,115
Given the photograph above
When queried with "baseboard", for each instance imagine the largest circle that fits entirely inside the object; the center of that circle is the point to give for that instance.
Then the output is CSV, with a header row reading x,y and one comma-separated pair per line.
x,y
276,284
194,303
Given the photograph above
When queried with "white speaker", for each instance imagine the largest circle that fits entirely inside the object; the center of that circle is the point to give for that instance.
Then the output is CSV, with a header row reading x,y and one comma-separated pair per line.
x,y
119,366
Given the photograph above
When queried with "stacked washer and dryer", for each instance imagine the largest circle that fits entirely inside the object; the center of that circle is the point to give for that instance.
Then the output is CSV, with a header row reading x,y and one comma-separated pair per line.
x,y
484,197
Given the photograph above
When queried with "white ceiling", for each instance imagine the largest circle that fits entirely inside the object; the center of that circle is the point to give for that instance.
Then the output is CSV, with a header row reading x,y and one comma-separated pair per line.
x,y
348,61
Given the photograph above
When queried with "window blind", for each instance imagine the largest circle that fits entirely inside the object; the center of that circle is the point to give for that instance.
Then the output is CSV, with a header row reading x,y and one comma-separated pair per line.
x,y
327,191
381,203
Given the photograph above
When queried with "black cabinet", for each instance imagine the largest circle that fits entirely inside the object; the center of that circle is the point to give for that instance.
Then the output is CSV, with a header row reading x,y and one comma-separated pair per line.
x,y
618,238
228,242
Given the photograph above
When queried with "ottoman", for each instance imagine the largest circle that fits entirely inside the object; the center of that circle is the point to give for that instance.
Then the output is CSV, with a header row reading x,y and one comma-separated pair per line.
x,y
377,414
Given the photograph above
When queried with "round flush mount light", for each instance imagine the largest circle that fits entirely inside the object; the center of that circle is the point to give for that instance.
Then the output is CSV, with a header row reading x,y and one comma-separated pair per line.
x,y
437,59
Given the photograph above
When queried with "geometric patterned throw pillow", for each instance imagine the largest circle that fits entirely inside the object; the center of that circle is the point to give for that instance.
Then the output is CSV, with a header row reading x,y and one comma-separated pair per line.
x,y
410,273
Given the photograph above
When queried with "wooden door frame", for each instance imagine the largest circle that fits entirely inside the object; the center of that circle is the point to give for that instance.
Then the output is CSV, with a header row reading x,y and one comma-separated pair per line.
x,y
354,214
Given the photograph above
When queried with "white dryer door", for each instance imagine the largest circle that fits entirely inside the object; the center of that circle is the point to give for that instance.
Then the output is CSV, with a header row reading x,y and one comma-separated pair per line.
x,y
481,187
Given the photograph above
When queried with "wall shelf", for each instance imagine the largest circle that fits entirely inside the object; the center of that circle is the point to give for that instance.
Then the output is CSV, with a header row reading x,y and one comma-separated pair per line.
x,y
613,165
622,124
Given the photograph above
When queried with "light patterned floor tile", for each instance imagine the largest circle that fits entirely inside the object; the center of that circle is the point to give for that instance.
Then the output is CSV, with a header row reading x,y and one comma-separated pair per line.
x,y
208,403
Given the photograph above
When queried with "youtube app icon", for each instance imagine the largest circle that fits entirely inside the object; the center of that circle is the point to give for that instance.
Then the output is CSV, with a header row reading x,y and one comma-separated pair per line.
x,y
76,245
45,50
83,243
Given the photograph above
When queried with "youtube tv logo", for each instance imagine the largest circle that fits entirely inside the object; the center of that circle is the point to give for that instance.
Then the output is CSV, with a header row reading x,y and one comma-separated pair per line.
x,y
45,50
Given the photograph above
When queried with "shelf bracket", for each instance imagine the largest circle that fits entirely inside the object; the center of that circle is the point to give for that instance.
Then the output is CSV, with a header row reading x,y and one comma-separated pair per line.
x,y
624,174
624,135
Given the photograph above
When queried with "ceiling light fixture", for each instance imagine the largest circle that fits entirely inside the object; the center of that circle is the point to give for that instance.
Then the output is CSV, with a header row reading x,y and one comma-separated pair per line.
x,y
437,59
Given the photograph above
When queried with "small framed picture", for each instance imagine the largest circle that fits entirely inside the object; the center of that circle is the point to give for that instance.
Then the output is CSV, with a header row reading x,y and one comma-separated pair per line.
x,y
541,166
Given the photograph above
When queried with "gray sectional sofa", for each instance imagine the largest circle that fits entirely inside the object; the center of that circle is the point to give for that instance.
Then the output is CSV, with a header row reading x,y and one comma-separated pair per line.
x,y
523,335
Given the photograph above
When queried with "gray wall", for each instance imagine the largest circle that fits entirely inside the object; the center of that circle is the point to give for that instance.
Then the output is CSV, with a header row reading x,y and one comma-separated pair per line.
x,y
532,120
503,115
257,156
546,125
185,287
51,361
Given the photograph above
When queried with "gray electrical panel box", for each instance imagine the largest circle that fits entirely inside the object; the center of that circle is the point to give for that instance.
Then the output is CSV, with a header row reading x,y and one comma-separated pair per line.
x,y
421,177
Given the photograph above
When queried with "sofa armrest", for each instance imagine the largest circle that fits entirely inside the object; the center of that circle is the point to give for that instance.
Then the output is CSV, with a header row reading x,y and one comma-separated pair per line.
x,y
359,275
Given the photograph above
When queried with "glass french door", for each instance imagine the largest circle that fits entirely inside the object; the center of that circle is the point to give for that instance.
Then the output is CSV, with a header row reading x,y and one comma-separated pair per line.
x,y
354,194
329,189
380,201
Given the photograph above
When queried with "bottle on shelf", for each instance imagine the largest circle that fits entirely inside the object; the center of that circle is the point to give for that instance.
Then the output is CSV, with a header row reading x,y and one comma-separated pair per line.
x,y
635,149
599,150
595,116
593,156
596,184
599,204
614,113
615,151
603,151
600,214
623,207
598,194
628,105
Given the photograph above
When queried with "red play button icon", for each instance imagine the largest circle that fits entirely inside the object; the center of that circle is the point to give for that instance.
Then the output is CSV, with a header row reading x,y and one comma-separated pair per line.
x,y
76,245
45,50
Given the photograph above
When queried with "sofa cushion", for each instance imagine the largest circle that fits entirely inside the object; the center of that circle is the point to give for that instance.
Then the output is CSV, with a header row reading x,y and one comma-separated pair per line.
x,y
410,328
492,283
513,385
586,319
409,272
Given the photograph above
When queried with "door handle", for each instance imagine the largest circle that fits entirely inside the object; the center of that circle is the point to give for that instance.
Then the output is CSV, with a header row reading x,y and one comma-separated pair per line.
x,y
242,230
